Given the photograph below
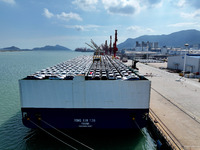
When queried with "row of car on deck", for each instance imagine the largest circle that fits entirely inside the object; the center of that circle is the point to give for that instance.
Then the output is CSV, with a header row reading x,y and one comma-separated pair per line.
x,y
107,68
65,70
103,68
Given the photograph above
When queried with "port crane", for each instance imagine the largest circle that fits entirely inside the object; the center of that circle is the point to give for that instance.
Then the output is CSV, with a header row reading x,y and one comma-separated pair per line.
x,y
94,46
115,49
104,47
98,52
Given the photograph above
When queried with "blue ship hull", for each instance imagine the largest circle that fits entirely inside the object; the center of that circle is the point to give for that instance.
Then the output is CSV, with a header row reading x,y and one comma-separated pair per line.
x,y
85,118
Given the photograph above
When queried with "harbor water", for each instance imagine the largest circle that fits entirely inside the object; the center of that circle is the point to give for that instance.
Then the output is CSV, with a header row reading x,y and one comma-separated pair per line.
x,y
14,136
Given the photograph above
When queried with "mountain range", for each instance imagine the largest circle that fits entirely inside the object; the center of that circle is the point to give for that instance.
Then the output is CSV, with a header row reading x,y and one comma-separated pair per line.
x,y
11,48
56,47
176,39
48,47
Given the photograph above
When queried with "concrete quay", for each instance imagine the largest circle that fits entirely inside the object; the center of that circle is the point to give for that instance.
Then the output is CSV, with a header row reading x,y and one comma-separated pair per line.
x,y
175,102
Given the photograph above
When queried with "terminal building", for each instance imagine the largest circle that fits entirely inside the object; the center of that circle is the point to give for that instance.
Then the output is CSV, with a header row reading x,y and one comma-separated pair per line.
x,y
191,61
146,46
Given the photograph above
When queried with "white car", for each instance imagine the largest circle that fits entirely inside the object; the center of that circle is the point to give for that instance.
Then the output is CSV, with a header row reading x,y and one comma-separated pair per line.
x,y
118,77
56,77
111,77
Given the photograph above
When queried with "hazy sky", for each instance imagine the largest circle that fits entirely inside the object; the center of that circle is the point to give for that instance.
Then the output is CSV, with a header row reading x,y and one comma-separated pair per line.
x,y
36,23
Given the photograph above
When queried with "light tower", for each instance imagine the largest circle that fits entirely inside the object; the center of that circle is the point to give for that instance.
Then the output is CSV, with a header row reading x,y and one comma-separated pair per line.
x,y
186,47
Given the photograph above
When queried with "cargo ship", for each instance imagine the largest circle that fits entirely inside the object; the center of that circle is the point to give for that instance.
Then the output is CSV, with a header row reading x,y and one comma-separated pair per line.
x,y
97,91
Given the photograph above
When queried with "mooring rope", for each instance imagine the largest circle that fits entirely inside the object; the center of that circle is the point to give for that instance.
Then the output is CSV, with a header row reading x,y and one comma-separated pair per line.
x,y
53,135
67,135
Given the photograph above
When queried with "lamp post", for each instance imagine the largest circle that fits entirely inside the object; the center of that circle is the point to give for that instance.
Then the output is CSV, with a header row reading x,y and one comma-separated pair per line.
x,y
186,46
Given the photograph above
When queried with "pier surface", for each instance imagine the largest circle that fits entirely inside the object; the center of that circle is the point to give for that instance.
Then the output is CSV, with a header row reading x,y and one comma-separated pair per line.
x,y
175,105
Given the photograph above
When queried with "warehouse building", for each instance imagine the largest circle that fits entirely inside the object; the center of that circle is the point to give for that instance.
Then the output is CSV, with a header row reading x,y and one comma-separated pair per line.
x,y
191,61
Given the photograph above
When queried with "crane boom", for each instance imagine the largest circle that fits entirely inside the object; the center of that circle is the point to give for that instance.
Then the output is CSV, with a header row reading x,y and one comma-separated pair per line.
x,y
95,45
91,46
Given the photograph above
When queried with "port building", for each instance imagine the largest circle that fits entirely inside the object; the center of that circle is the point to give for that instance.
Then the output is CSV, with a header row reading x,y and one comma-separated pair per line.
x,y
191,61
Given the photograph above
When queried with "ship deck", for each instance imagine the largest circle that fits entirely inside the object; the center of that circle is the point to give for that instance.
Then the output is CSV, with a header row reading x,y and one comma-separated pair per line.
x,y
97,67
